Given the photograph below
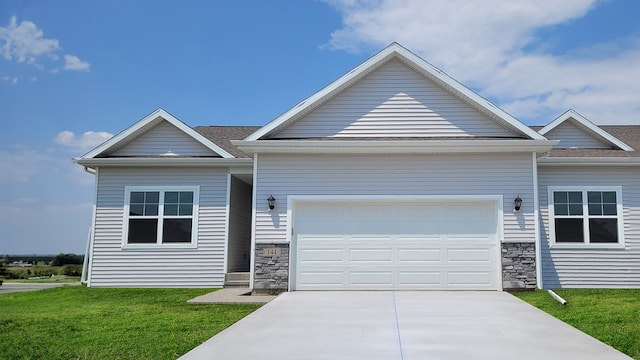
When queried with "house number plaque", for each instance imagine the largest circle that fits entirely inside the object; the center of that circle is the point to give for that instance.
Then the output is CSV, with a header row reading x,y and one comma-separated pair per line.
x,y
271,252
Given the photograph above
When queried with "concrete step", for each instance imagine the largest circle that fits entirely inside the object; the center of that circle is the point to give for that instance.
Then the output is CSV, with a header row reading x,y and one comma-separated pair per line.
x,y
237,279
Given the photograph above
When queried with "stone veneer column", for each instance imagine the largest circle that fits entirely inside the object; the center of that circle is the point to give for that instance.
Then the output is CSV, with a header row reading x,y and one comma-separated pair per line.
x,y
271,268
518,266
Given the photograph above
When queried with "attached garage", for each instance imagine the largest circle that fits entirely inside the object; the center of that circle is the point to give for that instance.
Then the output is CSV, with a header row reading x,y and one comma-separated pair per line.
x,y
396,244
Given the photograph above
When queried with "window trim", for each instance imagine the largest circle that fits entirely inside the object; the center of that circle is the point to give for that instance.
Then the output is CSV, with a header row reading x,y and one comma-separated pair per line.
x,y
158,244
585,217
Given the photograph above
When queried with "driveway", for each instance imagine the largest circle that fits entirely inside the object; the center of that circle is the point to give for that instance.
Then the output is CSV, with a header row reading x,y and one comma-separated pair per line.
x,y
401,325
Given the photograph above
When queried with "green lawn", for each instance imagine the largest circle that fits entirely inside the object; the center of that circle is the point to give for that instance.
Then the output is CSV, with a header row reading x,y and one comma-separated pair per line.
x,y
612,316
75,322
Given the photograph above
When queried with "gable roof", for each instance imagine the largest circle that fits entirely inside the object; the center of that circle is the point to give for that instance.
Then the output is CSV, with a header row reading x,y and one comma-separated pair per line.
x,y
396,51
222,136
588,127
147,123
629,134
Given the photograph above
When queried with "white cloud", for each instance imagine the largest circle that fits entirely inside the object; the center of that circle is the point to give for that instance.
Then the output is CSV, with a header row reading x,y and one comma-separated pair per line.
x,y
482,44
84,142
72,62
24,42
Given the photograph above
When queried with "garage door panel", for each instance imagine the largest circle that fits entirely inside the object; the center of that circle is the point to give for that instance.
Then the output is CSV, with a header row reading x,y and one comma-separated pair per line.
x,y
322,255
369,278
469,255
469,279
322,279
369,255
417,279
402,245
419,255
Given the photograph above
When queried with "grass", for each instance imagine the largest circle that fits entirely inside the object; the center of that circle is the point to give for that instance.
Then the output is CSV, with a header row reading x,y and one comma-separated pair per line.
x,y
75,322
609,315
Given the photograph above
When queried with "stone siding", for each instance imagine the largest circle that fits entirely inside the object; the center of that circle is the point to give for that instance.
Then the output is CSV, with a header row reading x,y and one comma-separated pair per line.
x,y
271,268
518,266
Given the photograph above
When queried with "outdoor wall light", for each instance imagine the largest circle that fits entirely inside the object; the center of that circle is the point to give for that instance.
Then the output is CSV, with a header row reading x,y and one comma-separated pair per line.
x,y
272,202
517,203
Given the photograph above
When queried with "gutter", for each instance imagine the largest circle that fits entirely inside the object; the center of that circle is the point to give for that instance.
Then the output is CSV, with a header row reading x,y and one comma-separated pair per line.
x,y
589,161
394,146
168,161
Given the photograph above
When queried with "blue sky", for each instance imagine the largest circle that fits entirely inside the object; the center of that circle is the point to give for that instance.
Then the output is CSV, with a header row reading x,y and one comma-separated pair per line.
x,y
72,73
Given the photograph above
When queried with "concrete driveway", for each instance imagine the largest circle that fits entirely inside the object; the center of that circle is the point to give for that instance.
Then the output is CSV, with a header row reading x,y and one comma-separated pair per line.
x,y
401,325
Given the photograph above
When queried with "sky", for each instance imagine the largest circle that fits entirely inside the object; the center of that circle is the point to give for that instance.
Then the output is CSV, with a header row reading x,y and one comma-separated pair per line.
x,y
73,73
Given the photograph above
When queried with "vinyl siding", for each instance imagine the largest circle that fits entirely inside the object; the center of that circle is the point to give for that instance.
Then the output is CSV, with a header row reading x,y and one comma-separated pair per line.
x,y
239,249
113,266
509,175
394,101
589,268
571,136
161,139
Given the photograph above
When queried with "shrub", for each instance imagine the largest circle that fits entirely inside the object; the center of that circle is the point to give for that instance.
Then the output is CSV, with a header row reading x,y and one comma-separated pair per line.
x,y
72,270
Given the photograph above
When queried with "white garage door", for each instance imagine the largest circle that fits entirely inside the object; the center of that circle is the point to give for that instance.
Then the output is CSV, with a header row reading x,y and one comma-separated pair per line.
x,y
401,245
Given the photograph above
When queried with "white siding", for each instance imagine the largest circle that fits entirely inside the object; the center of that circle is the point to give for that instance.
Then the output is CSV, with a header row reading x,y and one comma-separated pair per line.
x,y
161,139
201,267
579,268
239,249
571,136
509,175
394,101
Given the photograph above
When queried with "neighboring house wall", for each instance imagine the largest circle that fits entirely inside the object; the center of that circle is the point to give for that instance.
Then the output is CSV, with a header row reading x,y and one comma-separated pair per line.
x,y
239,248
394,101
571,136
464,174
161,139
157,267
591,267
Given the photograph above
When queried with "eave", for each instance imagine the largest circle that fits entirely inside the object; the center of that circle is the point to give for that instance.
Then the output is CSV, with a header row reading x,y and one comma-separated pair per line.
x,y
393,147
589,161
163,161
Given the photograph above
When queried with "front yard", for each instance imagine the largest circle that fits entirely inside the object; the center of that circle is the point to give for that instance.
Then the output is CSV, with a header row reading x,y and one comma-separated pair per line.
x,y
75,322
610,315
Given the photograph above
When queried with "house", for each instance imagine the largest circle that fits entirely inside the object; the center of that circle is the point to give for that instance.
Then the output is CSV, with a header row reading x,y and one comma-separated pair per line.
x,y
395,176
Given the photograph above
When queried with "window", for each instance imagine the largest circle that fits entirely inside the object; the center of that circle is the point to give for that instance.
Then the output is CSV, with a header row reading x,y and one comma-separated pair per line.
x,y
160,216
586,216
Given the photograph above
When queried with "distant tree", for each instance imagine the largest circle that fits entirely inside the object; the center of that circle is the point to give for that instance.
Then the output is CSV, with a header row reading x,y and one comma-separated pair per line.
x,y
66,259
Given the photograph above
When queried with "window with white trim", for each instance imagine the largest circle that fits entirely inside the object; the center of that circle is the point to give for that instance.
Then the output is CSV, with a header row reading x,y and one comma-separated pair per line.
x,y
590,215
160,216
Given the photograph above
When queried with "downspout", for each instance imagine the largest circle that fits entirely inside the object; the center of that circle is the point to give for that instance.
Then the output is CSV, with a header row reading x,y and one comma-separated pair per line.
x,y
252,261
536,221
89,254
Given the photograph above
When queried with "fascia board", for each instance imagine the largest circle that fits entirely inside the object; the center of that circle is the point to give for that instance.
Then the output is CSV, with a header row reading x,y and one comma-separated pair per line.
x,y
134,129
424,67
590,127
589,161
394,147
168,161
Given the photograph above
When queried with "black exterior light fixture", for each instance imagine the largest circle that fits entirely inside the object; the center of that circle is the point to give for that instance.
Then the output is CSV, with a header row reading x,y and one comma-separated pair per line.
x,y
272,202
517,203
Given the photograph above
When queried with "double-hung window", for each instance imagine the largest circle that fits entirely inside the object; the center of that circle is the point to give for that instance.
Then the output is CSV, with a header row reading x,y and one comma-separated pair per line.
x,y
163,216
586,216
